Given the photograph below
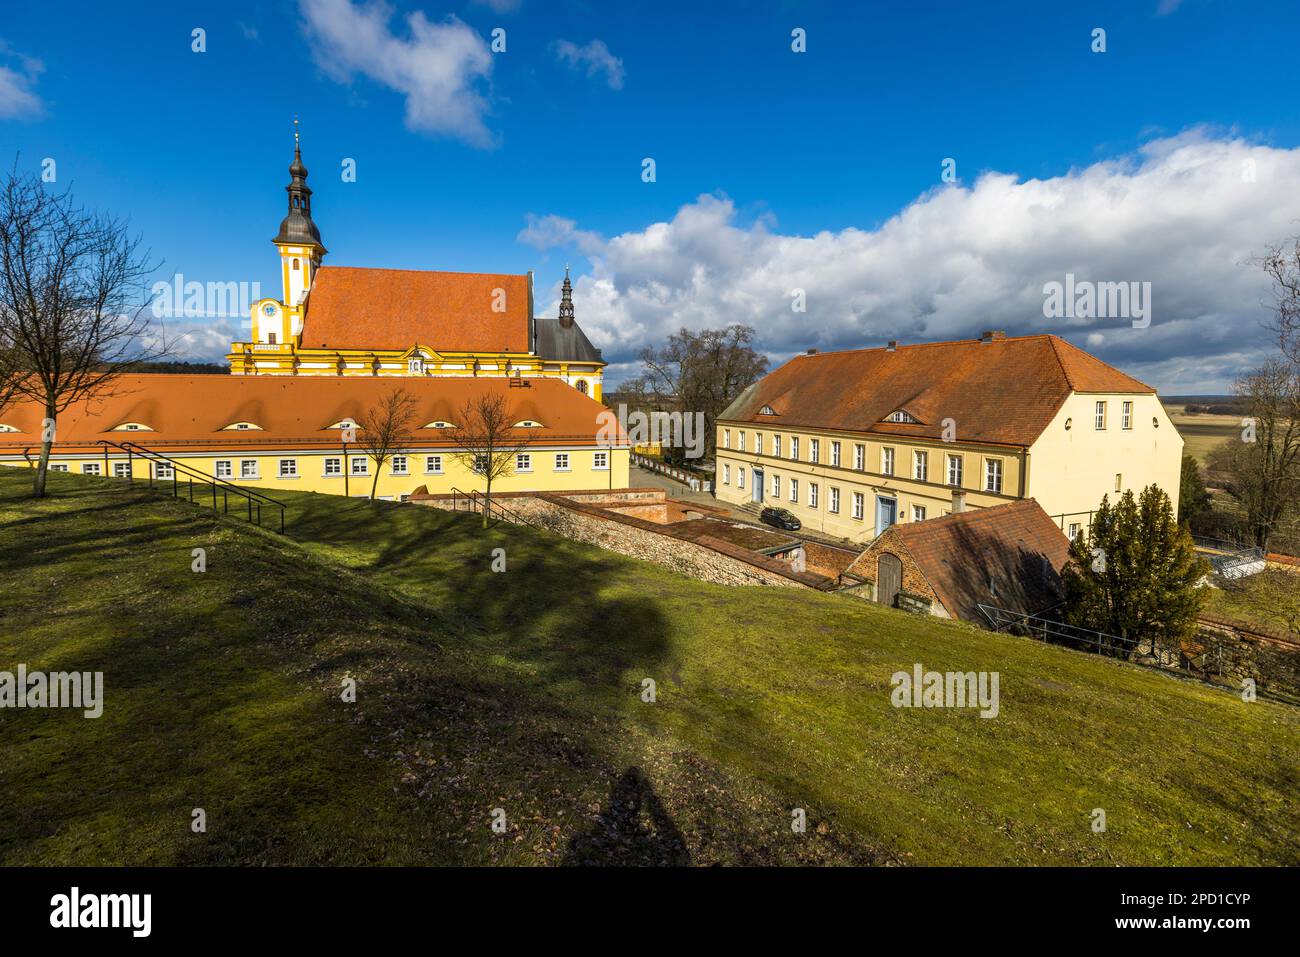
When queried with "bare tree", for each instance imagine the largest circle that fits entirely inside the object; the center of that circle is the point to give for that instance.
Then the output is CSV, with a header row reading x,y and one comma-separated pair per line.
x,y
1262,470
701,372
384,430
1281,264
486,441
72,302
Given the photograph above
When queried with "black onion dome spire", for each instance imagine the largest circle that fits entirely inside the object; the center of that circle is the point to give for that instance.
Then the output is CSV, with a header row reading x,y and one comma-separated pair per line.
x,y
566,301
297,227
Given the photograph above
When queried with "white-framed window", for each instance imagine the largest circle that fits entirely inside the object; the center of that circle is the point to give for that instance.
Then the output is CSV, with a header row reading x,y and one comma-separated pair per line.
x,y
776,486
954,471
758,443
433,464
794,490
1126,416
90,468
523,461
920,465
726,474
225,469
812,494
561,461
860,457
360,465
163,471
859,505
415,366
834,506
121,469
1119,481
1075,529
1099,415
726,438
600,461
740,476
740,439
480,464
399,465
794,447
918,513
835,454
57,467
776,446
288,468
886,461
814,450
333,465
993,475
248,468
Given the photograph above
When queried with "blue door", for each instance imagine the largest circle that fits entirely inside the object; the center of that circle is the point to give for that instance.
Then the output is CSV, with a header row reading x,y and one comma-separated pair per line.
x,y
886,513
758,485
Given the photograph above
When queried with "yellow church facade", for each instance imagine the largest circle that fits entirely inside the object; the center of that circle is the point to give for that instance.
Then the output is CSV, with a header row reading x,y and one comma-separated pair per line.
x,y
359,322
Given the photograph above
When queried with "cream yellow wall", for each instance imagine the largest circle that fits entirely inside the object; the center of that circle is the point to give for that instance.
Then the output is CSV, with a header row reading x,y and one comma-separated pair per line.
x,y
934,494
1071,469
582,473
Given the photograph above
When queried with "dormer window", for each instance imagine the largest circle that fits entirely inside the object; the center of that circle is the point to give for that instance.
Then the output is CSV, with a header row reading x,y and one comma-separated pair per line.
x,y
128,427
528,424
767,410
438,424
7,428
242,427
416,365
902,416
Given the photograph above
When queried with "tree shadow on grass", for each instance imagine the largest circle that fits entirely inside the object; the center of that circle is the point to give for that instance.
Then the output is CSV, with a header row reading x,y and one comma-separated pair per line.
x,y
633,828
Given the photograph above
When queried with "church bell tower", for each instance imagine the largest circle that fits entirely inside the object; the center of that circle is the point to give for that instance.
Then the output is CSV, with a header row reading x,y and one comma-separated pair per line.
x,y
298,240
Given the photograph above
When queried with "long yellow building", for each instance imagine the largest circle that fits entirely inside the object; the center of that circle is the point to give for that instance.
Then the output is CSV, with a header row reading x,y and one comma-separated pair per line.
x,y
854,442
273,433
355,322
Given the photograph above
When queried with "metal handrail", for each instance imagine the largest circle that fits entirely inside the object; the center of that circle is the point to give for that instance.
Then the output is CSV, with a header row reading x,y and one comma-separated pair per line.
x,y
473,499
254,498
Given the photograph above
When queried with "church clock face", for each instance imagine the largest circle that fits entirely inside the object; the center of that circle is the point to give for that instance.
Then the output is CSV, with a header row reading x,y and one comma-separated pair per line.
x,y
269,309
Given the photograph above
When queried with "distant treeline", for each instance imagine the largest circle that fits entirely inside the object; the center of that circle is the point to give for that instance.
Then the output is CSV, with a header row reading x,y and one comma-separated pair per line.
x,y
1230,408
1207,404
184,368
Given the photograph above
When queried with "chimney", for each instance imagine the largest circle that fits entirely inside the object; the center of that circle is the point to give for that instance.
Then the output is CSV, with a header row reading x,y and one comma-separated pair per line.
x,y
893,346
958,501
991,335
812,352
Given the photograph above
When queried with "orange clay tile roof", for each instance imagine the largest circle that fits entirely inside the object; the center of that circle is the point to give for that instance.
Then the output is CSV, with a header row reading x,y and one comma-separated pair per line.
x,y
1017,545
1005,391
352,308
188,412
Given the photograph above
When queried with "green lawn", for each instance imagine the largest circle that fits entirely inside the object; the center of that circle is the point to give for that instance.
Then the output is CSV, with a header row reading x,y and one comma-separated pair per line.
x,y
521,691
1271,599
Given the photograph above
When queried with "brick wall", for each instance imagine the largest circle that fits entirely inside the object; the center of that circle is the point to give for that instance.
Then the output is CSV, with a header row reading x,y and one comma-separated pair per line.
x,y
1228,651
704,558
914,582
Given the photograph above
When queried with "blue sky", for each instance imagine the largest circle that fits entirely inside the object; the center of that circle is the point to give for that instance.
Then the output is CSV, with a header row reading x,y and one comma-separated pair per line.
x,y
774,169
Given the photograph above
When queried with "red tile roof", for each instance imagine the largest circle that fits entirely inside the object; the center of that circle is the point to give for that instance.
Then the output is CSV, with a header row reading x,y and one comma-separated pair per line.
x,y
1003,391
353,308
1016,545
189,412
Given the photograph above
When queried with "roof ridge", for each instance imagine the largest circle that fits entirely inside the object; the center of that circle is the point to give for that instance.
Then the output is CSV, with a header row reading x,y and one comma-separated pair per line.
x,y
423,272
921,345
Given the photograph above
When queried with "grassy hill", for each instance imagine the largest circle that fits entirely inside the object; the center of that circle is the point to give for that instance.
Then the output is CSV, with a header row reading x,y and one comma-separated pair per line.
x,y
521,690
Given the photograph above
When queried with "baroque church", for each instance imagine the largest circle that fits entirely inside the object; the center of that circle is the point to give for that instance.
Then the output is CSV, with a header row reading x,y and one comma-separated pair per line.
x,y
351,321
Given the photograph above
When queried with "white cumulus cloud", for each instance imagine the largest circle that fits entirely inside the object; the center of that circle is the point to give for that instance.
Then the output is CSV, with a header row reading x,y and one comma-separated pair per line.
x,y
1187,214
439,67
594,57
18,76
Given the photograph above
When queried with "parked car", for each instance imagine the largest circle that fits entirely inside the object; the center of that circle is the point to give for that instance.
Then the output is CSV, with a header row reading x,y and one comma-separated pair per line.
x,y
780,518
